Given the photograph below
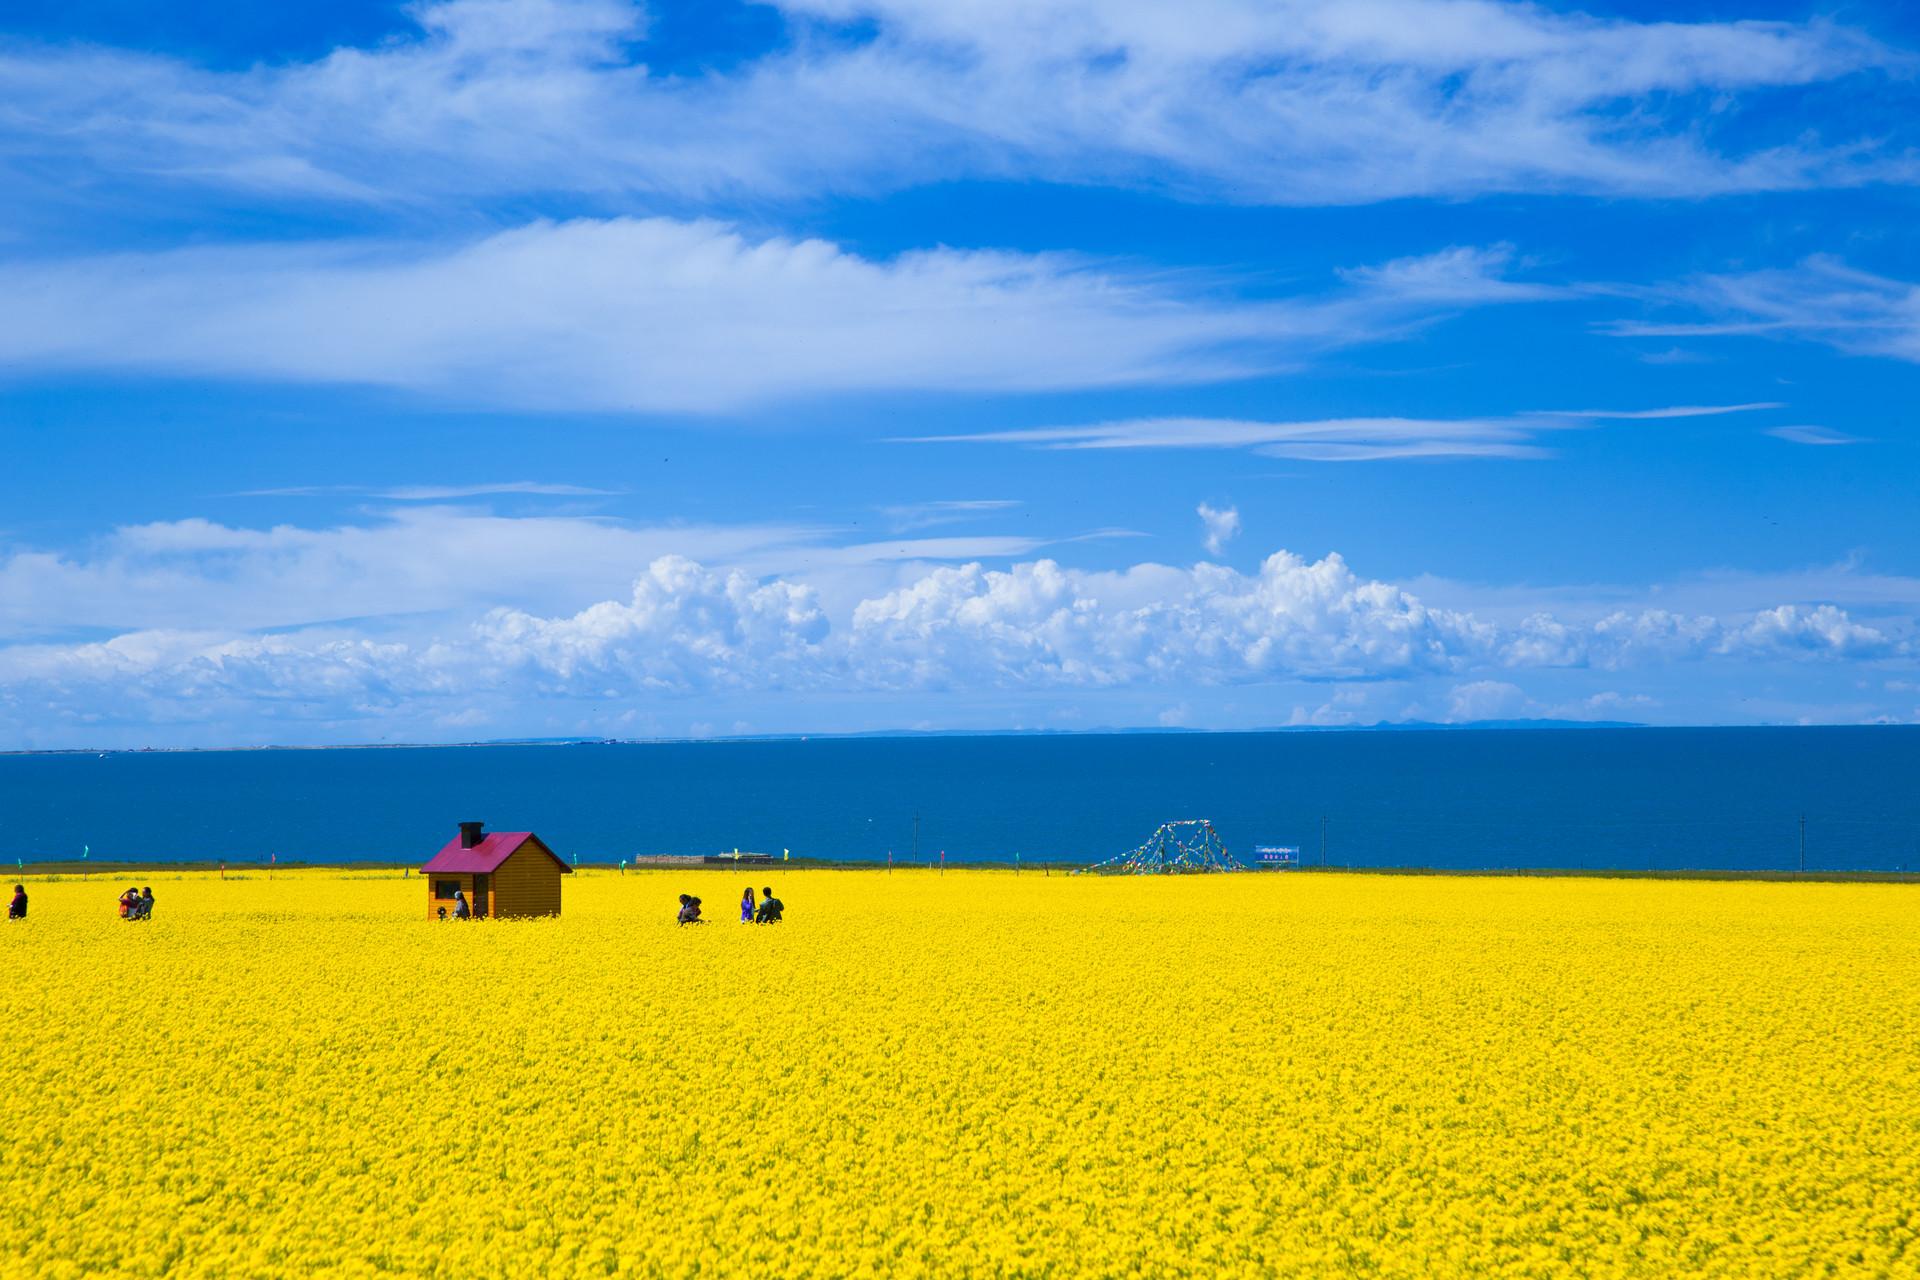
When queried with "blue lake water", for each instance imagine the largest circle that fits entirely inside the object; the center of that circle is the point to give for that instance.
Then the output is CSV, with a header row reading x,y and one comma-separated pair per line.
x,y
1726,798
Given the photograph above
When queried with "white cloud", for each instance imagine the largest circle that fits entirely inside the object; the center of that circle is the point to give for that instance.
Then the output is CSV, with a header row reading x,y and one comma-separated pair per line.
x,y
1812,435
685,630
1222,526
1038,623
1339,439
1819,300
1485,700
920,515
227,626
440,493
197,574
660,315
1296,101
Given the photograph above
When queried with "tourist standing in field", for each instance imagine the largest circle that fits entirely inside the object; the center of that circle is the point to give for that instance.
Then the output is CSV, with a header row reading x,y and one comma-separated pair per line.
x,y
17,909
746,906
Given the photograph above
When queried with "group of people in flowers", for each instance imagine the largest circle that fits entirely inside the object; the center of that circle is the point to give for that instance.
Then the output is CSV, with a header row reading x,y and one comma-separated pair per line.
x,y
135,904
768,912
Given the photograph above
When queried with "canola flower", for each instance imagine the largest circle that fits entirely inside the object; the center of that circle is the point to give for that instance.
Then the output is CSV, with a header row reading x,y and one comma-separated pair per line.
x,y
971,1075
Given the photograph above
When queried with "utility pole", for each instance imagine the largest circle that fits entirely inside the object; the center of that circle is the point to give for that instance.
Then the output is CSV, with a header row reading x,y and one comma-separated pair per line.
x,y
1323,840
1803,844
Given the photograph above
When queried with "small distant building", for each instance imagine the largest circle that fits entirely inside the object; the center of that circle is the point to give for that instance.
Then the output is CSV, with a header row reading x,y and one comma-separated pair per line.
x,y
505,874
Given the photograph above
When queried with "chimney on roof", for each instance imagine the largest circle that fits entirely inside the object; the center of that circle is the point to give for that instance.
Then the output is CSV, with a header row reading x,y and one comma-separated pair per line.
x,y
471,834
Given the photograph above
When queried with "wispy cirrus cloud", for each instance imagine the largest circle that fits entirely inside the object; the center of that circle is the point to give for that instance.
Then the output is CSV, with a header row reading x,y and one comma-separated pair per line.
x,y
1338,439
198,574
920,515
655,314
1289,102
431,492
437,493
1812,435
1820,299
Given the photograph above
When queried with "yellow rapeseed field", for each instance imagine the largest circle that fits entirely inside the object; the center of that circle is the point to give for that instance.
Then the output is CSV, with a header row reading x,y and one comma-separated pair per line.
x,y
968,1075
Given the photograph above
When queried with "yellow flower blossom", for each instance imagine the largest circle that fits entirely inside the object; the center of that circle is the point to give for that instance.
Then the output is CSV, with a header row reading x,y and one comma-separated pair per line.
x,y
965,1076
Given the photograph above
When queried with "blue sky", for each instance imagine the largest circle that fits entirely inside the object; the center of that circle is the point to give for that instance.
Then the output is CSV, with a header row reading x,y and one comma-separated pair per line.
x,y
503,368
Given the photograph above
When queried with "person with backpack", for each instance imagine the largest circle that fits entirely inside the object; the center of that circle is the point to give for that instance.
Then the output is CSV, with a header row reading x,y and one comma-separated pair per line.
x,y
770,908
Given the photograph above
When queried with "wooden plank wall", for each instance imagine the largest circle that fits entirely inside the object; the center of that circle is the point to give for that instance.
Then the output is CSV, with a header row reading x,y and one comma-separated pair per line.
x,y
527,884
434,904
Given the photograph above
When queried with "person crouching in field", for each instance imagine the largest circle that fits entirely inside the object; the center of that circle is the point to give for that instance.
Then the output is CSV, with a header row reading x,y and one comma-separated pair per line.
x,y
461,911
127,903
143,905
17,909
690,909
770,908
746,906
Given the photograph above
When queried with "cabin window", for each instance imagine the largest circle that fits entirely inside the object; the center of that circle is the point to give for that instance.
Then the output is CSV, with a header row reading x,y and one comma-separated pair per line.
x,y
445,888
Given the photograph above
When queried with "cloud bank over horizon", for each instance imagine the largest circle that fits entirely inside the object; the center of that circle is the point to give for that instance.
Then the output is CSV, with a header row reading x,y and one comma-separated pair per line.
x,y
690,638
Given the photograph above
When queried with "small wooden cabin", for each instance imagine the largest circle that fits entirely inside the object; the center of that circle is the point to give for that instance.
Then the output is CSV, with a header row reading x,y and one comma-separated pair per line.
x,y
505,874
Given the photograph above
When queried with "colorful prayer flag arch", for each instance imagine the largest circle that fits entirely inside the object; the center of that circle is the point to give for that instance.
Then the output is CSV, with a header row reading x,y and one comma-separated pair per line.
x,y
1177,848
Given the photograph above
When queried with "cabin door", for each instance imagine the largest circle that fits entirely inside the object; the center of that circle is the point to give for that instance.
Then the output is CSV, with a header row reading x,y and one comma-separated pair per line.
x,y
479,895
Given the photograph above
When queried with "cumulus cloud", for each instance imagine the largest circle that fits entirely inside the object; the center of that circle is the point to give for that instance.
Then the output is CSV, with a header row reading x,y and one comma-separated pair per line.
x,y
659,314
1485,700
686,628
1295,102
218,625
1221,526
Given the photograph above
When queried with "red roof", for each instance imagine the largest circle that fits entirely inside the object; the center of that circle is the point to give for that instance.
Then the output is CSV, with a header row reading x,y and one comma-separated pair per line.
x,y
486,856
